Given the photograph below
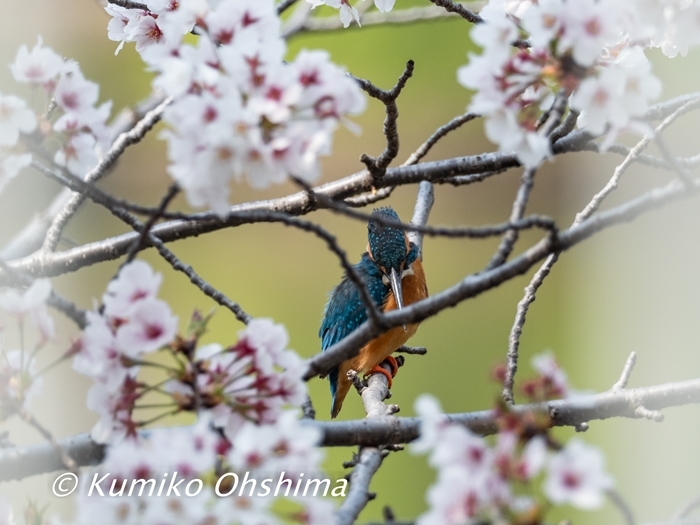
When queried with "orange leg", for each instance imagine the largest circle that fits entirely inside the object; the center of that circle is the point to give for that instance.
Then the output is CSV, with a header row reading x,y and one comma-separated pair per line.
x,y
389,376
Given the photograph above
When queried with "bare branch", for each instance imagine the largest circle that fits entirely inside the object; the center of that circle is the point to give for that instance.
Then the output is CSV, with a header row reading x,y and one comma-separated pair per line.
x,y
377,167
17,463
474,285
511,236
590,208
454,7
396,16
284,5
441,132
200,283
421,211
368,462
626,372
517,329
129,4
140,243
412,350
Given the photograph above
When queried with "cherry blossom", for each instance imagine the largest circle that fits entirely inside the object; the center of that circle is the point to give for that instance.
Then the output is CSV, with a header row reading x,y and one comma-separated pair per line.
x,y
240,111
150,326
136,282
41,65
550,371
582,49
577,476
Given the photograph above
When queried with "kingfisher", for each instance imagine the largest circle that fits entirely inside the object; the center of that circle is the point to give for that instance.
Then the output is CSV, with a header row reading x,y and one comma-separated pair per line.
x,y
391,269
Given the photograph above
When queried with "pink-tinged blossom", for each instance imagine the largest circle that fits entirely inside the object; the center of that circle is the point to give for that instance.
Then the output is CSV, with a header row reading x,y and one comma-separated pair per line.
x,y
543,21
533,458
550,371
136,282
74,93
78,153
32,304
15,118
115,408
240,111
457,498
41,65
589,26
576,476
283,446
496,34
97,354
150,326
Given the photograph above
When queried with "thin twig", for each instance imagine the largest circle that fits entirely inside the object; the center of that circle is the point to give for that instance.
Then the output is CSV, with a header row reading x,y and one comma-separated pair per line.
x,y
626,372
140,243
377,166
624,508
441,132
129,4
454,7
284,5
412,350
511,236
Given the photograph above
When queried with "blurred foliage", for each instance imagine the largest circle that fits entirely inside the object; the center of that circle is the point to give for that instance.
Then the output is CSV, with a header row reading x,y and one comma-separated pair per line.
x,y
632,288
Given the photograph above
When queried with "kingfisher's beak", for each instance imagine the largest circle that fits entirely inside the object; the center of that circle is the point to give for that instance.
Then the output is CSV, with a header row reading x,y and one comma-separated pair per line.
x,y
395,280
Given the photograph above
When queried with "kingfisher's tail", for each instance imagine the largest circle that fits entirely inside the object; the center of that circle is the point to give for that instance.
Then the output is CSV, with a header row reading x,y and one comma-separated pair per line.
x,y
339,389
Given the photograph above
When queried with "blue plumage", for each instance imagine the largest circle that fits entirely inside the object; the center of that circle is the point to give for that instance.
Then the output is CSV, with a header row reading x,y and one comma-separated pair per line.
x,y
390,263
345,312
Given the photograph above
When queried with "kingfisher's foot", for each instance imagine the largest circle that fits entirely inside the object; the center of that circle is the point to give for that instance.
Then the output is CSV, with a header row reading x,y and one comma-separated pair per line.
x,y
389,376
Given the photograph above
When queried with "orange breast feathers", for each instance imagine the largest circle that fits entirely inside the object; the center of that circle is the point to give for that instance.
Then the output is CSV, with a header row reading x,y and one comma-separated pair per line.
x,y
374,352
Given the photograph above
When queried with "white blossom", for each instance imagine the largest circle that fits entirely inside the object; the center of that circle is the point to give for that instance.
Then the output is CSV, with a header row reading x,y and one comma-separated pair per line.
x,y
576,475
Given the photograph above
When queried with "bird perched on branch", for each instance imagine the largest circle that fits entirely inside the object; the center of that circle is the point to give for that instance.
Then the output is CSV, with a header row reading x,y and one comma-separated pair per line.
x,y
391,269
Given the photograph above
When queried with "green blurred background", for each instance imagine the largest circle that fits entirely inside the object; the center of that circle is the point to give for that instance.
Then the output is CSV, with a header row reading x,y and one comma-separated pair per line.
x,y
632,288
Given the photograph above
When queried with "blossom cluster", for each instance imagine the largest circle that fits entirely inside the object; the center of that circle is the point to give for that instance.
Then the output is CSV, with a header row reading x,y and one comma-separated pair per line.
x,y
19,379
477,480
589,51
239,109
250,381
175,476
245,397
74,117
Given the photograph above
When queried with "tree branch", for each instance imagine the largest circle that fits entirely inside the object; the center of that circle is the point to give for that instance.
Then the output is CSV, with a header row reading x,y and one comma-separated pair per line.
x,y
17,463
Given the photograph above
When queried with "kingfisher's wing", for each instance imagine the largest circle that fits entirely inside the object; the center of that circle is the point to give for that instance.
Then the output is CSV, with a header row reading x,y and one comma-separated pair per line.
x,y
345,311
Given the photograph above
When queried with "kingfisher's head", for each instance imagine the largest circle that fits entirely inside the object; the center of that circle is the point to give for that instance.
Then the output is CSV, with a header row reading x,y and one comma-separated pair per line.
x,y
390,249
